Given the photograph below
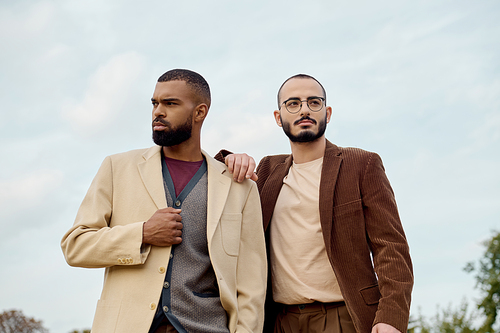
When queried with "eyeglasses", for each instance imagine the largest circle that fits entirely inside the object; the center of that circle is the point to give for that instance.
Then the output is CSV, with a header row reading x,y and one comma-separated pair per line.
x,y
293,105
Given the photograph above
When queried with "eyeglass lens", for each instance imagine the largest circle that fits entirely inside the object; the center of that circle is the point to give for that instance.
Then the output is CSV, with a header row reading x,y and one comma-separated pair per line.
x,y
295,104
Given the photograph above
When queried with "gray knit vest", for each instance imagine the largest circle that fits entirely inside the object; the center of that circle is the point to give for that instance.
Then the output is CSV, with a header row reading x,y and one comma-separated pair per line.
x,y
190,296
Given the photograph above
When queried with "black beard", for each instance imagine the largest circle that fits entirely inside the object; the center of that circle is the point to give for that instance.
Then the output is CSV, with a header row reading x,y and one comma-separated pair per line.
x,y
307,135
173,136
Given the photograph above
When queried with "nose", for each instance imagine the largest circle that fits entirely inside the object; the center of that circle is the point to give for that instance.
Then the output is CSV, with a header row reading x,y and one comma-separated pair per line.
x,y
304,109
159,111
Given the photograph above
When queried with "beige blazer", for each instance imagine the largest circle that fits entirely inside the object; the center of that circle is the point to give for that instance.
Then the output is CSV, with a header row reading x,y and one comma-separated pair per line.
x,y
107,232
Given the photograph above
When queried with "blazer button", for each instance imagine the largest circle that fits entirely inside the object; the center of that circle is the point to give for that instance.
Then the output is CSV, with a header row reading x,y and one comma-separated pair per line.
x,y
152,306
161,269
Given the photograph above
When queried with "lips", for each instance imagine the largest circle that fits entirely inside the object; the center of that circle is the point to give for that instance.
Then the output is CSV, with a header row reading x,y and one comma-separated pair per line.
x,y
158,127
159,124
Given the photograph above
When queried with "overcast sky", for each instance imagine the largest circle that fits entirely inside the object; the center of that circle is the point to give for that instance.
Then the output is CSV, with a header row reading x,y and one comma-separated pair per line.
x,y
415,81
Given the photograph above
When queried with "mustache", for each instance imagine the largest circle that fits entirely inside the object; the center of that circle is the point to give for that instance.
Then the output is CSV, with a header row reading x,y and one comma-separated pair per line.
x,y
304,118
160,120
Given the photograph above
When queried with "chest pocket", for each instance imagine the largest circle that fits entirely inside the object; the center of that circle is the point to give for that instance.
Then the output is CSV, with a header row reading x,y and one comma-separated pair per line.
x,y
230,224
352,208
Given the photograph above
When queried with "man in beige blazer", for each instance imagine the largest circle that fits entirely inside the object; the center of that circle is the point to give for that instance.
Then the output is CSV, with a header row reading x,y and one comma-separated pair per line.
x,y
198,267
339,259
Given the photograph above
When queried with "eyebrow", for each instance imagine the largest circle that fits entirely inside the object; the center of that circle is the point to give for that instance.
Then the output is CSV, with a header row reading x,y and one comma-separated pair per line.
x,y
166,99
306,98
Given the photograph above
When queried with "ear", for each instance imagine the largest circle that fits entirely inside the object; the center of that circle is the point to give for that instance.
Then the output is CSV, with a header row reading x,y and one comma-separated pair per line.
x,y
328,113
200,113
277,117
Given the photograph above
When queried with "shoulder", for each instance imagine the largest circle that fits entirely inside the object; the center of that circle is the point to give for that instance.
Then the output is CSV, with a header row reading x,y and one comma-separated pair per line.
x,y
352,155
356,153
131,158
272,160
217,166
353,160
131,154
134,155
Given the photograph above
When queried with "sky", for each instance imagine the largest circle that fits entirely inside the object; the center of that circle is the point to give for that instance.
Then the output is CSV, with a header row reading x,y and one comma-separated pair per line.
x,y
415,81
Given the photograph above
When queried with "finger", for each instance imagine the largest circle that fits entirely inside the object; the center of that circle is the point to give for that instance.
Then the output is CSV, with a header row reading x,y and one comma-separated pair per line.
x,y
237,168
171,210
176,240
243,169
254,177
229,160
172,217
173,220
251,168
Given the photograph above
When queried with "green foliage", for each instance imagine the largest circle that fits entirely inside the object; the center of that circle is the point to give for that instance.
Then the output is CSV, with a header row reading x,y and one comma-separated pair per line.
x,y
460,320
488,282
446,321
13,321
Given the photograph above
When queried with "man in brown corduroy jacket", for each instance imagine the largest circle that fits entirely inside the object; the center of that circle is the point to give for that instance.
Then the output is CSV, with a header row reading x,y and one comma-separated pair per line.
x,y
338,256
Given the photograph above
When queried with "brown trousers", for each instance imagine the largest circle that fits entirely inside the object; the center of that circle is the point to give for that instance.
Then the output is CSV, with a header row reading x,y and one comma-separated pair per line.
x,y
314,318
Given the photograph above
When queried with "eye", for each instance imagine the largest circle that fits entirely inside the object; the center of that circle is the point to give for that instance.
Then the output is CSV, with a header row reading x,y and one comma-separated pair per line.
x,y
292,102
314,102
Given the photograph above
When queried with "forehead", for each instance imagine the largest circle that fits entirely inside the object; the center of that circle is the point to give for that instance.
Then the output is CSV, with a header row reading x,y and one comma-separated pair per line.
x,y
173,89
300,88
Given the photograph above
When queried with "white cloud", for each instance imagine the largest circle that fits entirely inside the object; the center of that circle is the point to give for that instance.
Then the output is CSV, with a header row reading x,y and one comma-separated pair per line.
x,y
28,20
246,127
485,95
29,190
109,89
29,201
414,82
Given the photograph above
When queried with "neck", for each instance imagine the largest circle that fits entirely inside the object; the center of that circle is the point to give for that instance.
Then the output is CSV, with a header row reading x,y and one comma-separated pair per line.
x,y
189,150
303,152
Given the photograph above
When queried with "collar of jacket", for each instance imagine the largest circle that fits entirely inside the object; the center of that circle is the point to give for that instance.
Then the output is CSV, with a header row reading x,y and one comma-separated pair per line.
x,y
219,184
332,160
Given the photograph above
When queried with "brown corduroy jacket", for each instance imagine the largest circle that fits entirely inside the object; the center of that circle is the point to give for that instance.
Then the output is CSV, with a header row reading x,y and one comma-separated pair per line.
x,y
360,221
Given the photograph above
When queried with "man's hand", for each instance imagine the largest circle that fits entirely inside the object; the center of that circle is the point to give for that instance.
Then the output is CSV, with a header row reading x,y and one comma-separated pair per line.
x,y
384,328
241,166
164,228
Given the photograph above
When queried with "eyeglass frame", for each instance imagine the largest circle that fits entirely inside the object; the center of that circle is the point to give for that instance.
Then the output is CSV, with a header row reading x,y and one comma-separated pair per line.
x,y
323,100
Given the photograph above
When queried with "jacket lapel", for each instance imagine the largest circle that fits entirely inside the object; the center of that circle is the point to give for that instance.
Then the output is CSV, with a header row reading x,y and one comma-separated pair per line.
x,y
151,174
218,190
272,188
329,173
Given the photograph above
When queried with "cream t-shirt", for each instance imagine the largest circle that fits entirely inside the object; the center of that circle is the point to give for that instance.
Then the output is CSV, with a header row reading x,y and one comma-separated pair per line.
x,y
301,271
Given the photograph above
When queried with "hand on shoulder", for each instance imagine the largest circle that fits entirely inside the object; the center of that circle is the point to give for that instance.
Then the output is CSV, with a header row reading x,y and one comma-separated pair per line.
x,y
242,166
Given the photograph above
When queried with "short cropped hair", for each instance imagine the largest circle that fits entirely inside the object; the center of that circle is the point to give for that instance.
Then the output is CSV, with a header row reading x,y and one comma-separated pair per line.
x,y
194,80
300,76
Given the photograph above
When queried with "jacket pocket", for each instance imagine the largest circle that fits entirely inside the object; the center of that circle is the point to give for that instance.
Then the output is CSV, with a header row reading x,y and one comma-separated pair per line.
x,y
230,224
205,295
371,295
349,208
